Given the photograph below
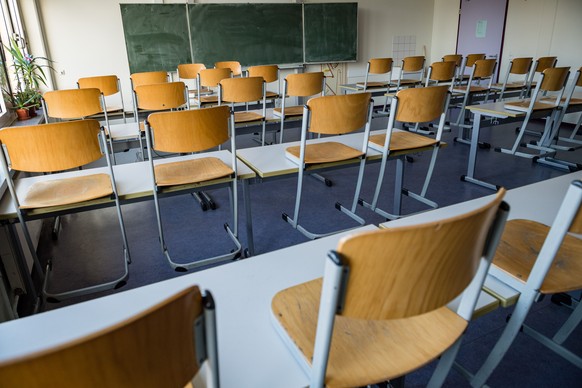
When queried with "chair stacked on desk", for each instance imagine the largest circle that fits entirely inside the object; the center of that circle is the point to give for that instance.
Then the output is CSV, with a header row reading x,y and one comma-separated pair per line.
x,y
572,101
331,115
56,147
411,75
458,59
193,131
414,105
110,86
302,85
188,73
538,68
270,74
207,86
378,74
518,68
164,346
245,90
544,101
539,260
370,321
468,62
478,86
233,66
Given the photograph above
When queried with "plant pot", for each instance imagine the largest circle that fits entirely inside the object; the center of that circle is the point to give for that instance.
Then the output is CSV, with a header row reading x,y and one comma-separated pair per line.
x,y
22,114
32,111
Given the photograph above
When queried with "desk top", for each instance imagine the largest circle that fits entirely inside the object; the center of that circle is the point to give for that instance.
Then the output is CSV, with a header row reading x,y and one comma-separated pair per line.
x,y
251,353
495,109
270,161
133,179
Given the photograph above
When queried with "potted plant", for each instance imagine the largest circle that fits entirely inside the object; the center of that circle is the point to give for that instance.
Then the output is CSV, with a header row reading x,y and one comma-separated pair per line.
x,y
29,76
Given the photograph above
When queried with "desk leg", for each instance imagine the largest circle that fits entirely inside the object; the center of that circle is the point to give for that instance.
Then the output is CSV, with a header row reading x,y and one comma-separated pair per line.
x,y
470,177
248,215
398,180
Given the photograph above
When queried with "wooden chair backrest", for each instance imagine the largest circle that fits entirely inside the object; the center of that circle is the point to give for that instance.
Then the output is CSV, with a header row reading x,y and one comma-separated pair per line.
x,y
413,63
245,89
148,77
211,77
334,115
72,103
421,105
155,348
164,96
555,78
190,130
472,58
304,84
52,147
107,84
190,70
234,67
484,68
380,65
442,71
270,73
544,63
520,66
411,270
457,58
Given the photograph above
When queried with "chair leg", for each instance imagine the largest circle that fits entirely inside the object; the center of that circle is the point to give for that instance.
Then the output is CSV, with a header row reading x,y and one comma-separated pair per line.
x,y
352,211
444,365
513,327
569,326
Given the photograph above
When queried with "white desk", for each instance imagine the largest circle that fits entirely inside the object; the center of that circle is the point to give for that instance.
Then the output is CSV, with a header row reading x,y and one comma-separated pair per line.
x,y
538,202
251,354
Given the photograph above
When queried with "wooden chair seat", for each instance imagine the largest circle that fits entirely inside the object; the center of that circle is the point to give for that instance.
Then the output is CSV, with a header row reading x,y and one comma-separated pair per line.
x,y
401,141
519,248
524,104
247,117
191,171
366,350
327,152
290,111
208,100
509,86
408,81
271,95
473,89
60,192
376,84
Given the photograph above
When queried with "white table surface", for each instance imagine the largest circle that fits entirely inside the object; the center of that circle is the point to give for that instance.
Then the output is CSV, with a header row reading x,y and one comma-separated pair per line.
x,y
251,353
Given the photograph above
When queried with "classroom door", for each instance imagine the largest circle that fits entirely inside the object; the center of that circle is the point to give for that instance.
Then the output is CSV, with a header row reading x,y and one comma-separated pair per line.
x,y
481,27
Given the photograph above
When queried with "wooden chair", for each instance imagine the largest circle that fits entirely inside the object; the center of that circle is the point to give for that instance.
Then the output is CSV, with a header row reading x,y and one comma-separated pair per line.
x,y
208,80
538,260
411,66
552,83
234,67
538,68
518,68
441,72
413,105
159,97
571,100
245,90
301,85
147,78
381,311
110,86
270,74
58,147
331,115
469,62
188,73
458,59
478,86
192,131
381,71
74,104
163,346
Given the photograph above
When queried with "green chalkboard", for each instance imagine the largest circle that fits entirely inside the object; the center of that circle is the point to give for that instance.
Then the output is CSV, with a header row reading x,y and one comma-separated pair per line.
x,y
156,36
252,34
331,32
